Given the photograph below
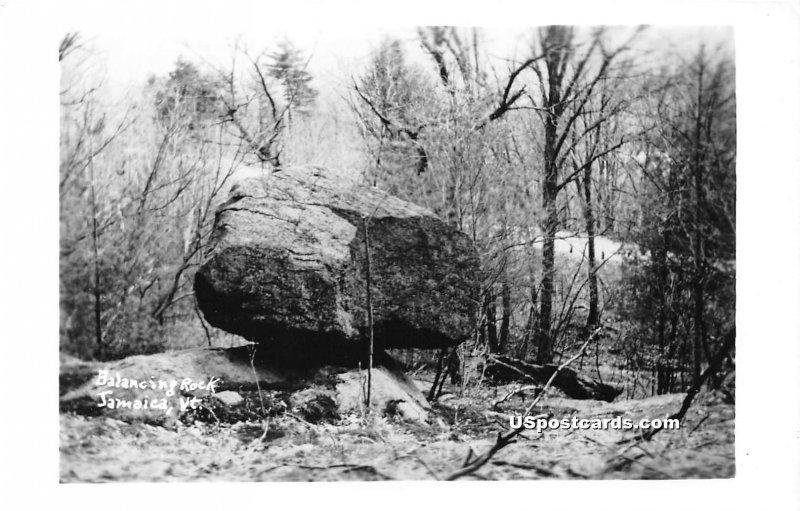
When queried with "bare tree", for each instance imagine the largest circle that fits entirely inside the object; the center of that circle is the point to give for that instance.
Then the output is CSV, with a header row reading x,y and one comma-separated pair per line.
x,y
569,76
450,133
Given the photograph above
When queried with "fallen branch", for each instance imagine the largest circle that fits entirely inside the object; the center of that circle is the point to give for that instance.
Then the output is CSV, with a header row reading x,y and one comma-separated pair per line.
x,y
573,384
509,437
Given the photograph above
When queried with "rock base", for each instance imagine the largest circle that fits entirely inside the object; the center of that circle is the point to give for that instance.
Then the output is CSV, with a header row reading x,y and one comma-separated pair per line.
x,y
229,385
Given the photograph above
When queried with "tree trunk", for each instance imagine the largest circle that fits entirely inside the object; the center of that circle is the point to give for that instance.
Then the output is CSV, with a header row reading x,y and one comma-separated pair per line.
x,y
505,322
454,367
588,213
491,322
98,326
438,374
530,327
543,339
554,61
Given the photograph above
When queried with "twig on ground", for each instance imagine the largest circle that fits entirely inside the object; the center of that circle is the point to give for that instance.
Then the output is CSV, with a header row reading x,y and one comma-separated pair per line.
x,y
639,446
525,466
470,454
266,430
705,444
514,392
427,467
297,418
348,467
368,468
209,410
422,462
699,423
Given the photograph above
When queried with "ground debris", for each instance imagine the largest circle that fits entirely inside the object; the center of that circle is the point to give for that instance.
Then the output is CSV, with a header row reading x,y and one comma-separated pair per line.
x,y
286,447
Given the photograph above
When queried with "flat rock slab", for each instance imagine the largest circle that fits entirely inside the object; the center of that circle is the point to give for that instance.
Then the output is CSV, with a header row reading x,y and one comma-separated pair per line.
x,y
287,268
229,385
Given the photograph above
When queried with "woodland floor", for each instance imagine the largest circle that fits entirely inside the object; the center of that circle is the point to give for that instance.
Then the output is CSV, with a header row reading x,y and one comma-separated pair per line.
x,y
97,449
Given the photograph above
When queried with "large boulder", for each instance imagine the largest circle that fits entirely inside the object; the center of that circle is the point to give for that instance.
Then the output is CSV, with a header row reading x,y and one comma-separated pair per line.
x,y
287,268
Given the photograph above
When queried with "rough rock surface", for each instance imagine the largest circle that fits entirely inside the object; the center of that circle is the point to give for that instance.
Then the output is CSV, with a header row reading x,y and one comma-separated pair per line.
x,y
229,398
287,268
221,385
392,392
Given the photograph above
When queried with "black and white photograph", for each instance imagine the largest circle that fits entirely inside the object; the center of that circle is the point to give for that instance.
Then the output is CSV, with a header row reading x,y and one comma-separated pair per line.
x,y
343,250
